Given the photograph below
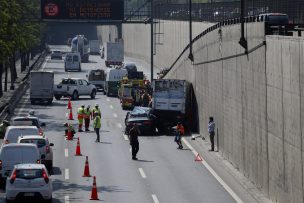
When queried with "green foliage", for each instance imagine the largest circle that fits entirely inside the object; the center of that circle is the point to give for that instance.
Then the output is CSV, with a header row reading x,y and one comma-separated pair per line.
x,y
17,30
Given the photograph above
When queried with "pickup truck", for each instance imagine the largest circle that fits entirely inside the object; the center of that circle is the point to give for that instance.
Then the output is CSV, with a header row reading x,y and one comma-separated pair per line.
x,y
74,87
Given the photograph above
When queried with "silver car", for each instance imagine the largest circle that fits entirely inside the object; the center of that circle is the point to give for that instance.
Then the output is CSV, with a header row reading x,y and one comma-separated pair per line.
x,y
44,147
29,181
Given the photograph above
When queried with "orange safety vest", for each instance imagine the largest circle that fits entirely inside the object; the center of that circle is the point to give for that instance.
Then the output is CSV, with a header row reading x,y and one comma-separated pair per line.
x,y
80,113
87,113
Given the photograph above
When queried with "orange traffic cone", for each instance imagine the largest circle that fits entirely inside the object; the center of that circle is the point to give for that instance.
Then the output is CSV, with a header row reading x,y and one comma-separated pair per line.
x,y
86,172
94,194
69,104
78,153
71,115
69,137
198,158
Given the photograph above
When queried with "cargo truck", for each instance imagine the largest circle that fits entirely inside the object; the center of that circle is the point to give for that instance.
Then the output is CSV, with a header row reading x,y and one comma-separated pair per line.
x,y
114,53
41,88
169,102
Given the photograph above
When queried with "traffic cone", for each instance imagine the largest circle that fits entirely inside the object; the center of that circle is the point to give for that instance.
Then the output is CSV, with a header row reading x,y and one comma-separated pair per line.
x,y
86,172
71,115
69,137
78,153
69,104
198,158
94,194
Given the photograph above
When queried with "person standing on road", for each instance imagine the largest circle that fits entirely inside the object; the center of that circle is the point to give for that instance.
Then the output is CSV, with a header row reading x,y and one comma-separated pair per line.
x,y
133,137
180,132
96,109
87,117
80,113
97,125
211,131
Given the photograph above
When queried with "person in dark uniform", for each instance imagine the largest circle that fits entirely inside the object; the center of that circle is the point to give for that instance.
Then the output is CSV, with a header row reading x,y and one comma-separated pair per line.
x,y
211,131
133,137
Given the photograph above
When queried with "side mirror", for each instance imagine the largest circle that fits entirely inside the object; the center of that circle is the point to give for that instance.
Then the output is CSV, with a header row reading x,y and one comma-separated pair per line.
x,y
52,144
42,156
43,124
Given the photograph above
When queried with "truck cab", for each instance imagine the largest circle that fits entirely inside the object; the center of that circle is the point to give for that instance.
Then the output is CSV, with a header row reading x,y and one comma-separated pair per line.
x,y
113,80
72,62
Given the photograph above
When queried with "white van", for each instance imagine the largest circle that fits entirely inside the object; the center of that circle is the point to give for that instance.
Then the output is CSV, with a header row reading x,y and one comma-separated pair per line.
x,y
72,62
13,132
12,154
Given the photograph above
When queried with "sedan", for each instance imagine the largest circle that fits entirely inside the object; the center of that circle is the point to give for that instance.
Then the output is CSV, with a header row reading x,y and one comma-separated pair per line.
x,y
27,182
28,121
56,55
143,118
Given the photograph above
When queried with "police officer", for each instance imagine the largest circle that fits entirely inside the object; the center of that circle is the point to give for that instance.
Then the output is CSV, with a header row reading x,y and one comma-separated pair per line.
x,y
97,125
80,113
87,117
133,136
96,109
3,127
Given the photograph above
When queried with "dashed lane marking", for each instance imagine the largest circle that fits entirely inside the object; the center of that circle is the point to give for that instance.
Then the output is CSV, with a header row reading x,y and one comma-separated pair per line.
x,y
66,174
108,99
115,115
142,173
219,179
111,107
66,152
154,197
119,125
125,137
66,199
130,149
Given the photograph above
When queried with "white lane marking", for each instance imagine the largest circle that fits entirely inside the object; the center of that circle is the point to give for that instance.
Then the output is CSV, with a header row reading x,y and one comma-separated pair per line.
x,y
154,197
119,125
67,199
115,115
111,107
219,179
66,152
66,174
130,149
108,99
125,137
142,173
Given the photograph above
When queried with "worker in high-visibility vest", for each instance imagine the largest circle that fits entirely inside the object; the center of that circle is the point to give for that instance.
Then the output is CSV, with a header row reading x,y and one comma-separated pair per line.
x,y
96,109
69,128
97,125
80,117
87,117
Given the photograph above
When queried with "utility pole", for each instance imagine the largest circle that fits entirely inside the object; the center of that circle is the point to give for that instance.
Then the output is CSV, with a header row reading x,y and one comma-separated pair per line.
x,y
152,39
243,41
190,30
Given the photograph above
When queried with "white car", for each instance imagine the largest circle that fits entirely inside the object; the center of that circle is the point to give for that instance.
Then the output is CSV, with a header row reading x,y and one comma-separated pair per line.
x,y
56,55
29,181
13,132
28,121
12,154
44,146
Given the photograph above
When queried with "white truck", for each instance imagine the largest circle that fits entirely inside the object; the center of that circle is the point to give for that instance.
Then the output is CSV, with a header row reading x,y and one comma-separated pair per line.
x,y
74,87
114,53
81,44
41,87
169,103
94,47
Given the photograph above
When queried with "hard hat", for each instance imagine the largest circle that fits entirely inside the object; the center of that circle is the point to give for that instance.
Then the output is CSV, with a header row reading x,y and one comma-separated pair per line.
x,y
96,104
82,105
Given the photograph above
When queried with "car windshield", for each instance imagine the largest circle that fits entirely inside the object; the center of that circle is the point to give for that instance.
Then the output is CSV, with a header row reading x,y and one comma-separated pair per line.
x,y
29,173
68,58
68,81
39,142
139,112
278,19
26,121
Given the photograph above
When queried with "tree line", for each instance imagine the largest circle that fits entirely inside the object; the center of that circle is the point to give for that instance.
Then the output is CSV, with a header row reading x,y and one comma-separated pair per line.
x,y
20,37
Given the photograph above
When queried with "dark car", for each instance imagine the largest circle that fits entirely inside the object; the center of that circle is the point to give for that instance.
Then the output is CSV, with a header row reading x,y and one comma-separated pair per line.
x,y
142,117
56,55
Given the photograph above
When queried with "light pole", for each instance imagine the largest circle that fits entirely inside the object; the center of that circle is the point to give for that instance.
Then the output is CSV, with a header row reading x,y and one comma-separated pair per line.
x,y
152,40
190,30
243,41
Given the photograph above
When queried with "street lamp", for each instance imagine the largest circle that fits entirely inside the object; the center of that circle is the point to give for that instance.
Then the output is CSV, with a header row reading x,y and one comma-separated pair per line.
x,y
190,31
243,41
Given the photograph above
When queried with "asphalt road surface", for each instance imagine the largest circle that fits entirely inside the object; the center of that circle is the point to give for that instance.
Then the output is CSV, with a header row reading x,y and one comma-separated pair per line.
x,y
163,174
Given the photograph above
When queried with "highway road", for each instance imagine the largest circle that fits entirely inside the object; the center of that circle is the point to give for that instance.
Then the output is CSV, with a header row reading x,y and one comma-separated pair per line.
x,y
163,174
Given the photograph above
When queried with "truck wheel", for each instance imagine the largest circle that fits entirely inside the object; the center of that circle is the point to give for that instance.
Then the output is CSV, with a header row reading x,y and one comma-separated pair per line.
x,y
57,97
75,95
93,94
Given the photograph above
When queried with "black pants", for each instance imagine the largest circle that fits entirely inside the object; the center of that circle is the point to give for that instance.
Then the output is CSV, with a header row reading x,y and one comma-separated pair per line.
x,y
211,134
97,133
135,148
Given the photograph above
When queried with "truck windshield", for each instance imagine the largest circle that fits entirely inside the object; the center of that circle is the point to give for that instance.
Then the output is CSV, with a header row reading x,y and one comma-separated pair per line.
x,y
68,58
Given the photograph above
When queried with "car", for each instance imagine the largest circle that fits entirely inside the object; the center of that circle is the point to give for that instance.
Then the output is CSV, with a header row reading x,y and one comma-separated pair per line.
x,y
142,117
97,77
28,121
56,55
44,146
29,181
12,154
13,132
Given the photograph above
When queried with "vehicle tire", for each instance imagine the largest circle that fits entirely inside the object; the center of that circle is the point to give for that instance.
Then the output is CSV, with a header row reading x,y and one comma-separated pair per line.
x,y
75,95
57,97
104,92
93,94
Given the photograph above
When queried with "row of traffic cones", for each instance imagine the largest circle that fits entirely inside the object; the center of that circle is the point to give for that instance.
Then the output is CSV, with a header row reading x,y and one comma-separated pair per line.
x,y
86,172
